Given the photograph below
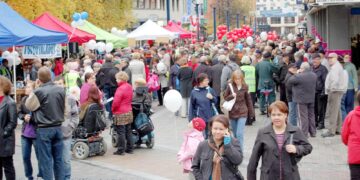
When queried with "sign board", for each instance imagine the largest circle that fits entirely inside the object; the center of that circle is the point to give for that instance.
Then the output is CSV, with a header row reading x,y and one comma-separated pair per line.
x,y
277,13
42,51
336,1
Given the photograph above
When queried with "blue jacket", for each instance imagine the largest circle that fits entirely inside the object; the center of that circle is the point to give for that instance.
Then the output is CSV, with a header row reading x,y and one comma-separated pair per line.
x,y
200,105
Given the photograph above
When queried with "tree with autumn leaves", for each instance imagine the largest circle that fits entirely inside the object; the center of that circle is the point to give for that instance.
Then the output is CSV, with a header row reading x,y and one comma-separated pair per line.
x,y
103,13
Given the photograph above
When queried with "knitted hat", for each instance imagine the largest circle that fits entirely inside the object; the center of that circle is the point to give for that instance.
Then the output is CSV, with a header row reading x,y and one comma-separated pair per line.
x,y
198,124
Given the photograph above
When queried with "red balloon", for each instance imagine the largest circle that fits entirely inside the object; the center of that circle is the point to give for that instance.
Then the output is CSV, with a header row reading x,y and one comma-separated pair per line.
x,y
270,37
179,23
170,23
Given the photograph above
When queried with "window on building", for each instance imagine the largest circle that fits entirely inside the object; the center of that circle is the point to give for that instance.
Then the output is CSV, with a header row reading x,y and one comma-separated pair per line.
x,y
177,5
139,4
289,20
265,8
271,8
173,5
147,4
153,4
275,20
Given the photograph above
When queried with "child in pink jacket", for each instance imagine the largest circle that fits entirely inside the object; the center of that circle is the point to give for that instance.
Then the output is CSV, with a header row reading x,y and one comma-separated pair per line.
x,y
192,138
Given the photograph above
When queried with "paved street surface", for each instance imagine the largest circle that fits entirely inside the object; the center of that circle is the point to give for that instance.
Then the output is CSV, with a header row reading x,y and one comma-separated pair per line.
x,y
326,162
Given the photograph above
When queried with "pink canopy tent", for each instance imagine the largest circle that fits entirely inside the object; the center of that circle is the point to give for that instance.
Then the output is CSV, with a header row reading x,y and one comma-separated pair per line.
x,y
50,22
183,34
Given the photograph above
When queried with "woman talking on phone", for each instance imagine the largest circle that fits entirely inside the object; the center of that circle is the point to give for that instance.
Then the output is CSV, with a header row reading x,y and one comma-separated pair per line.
x,y
280,146
218,157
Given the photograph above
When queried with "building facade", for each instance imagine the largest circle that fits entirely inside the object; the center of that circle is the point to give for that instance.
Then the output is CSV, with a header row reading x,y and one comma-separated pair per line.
x,y
282,16
336,23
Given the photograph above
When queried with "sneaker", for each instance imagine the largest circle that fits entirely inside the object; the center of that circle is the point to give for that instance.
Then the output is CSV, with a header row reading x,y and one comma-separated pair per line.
x,y
320,127
338,133
119,153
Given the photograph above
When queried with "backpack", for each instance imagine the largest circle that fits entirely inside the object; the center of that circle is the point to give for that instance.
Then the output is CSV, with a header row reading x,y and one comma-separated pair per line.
x,y
143,124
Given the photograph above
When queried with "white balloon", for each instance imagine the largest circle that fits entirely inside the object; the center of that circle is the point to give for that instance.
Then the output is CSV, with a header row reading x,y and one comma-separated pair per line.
x,y
91,44
113,30
161,67
15,54
18,61
80,22
290,36
100,46
172,100
249,40
5,54
109,47
263,36
74,24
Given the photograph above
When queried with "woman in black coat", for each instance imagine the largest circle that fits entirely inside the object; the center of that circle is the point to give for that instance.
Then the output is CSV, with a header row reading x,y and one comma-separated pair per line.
x,y
185,76
8,121
280,146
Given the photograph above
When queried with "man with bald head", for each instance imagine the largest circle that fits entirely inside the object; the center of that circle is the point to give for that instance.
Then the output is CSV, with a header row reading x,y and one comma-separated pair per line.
x,y
36,64
47,104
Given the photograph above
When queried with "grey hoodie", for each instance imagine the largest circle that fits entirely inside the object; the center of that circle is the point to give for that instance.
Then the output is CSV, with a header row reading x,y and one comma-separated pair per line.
x,y
226,73
71,117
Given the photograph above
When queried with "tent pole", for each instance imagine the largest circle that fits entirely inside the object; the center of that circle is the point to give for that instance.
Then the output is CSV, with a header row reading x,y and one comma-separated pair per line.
x,y
14,74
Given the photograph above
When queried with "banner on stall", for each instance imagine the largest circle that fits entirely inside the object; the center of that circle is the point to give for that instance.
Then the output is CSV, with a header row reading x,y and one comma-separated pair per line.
x,y
42,51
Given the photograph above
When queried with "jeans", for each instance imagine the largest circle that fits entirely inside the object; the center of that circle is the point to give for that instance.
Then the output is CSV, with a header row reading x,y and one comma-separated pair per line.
x,y
50,147
238,126
26,148
125,137
293,113
7,164
67,158
271,99
347,103
108,93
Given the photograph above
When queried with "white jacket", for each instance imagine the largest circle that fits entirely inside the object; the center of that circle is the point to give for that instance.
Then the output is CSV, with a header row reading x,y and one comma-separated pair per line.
x,y
137,68
337,79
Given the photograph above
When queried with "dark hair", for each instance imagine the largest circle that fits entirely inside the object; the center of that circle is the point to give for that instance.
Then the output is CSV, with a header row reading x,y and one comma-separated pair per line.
x,y
88,76
93,95
201,77
6,85
44,74
279,105
221,119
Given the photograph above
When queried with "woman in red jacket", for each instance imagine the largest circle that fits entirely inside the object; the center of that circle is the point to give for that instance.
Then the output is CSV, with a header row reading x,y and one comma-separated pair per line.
x,y
122,111
351,137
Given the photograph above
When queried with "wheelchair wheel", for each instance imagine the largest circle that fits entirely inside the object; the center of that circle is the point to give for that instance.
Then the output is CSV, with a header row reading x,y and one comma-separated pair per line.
x,y
114,140
103,148
150,143
80,150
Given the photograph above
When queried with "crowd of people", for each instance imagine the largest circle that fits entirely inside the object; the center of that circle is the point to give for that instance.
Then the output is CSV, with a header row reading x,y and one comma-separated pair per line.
x,y
316,92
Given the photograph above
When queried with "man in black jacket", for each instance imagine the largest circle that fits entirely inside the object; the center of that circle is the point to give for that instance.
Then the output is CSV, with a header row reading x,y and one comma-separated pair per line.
x,y
105,80
320,96
48,106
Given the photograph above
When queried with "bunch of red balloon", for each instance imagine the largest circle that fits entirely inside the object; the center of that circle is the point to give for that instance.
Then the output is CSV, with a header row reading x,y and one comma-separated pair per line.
x,y
221,31
272,36
235,34
170,23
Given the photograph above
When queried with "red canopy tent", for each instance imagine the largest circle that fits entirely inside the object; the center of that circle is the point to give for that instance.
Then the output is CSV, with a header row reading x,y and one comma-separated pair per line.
x,y
50,22
183,34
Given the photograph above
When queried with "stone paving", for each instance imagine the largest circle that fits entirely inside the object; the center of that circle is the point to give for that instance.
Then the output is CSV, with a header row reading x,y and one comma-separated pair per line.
x,y
326,162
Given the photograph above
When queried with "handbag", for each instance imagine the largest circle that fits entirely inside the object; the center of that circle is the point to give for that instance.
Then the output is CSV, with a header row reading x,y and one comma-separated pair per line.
x,y
231,167
228,105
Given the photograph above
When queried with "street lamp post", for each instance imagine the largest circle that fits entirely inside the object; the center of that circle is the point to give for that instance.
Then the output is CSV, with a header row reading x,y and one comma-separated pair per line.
x,y
198,21
237,20
167,10
228,16
214,16
244,20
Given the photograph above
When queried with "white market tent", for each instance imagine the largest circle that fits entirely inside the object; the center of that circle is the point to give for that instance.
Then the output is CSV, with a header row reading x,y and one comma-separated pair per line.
x,y
150,31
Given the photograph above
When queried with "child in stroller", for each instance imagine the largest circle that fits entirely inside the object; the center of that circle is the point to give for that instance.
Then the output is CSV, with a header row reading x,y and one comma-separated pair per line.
x,y
86,137
142,127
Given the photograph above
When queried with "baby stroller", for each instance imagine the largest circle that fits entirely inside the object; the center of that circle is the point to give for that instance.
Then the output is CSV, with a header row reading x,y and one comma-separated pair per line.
x,y
86,137
142,126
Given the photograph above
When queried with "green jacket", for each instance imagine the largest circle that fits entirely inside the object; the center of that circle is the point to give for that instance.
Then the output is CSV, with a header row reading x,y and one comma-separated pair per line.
x,y
264,72
250,77
353,76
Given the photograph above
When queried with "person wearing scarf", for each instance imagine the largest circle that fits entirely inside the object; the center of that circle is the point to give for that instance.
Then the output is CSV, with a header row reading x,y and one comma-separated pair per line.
x,y
214,156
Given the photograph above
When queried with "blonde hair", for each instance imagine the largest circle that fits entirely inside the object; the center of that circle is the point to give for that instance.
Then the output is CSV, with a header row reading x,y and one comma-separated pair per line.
x,y
235,75
122,76
182,61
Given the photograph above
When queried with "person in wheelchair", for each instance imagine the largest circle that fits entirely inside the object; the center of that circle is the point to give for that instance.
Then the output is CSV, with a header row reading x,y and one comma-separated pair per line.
x,y
141,95
89,112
